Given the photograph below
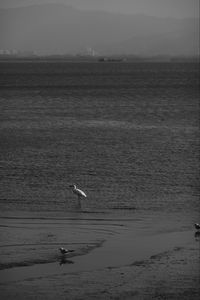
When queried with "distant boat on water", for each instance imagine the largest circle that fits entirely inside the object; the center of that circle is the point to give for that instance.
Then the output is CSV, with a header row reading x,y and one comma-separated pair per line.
x,y
111,59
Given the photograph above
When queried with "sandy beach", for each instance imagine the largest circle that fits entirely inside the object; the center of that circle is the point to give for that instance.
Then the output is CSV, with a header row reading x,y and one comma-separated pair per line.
x,y
116,256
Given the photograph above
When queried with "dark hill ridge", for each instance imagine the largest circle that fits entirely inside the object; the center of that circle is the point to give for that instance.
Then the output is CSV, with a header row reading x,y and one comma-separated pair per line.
x,y
59,28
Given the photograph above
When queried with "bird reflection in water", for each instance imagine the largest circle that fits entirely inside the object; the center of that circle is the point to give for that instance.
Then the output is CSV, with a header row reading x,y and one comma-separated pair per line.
x,y
197,235
63,260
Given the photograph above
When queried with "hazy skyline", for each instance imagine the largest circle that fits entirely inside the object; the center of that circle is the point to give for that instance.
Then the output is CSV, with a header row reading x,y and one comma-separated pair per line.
x,y
62,29
100,25
159,8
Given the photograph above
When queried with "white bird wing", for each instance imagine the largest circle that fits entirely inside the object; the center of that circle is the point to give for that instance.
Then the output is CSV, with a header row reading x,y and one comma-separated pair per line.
x,y
80,193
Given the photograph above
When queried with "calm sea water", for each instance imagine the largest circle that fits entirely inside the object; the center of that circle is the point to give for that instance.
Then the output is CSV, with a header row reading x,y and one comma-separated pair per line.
x,y
126,133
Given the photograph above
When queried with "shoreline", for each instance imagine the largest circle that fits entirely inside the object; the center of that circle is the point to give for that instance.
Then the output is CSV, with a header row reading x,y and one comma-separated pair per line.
x,y
114,258
169,275
55,258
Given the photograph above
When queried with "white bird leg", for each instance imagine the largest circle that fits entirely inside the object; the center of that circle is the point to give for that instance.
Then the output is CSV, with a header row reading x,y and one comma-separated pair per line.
x,y
79,202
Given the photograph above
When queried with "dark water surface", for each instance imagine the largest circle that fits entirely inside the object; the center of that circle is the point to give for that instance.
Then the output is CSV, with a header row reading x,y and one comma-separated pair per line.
x,y
127,134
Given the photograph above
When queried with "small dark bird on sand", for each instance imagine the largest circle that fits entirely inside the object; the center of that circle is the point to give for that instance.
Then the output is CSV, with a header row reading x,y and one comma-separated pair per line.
x,y
65,251
197,226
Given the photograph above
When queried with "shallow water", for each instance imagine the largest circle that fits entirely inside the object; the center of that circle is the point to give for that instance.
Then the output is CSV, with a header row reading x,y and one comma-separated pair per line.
x,y
127,134
30,246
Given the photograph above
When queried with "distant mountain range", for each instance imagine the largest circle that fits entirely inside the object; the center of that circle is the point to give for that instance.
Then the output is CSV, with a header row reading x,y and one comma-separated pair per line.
x,y
54,29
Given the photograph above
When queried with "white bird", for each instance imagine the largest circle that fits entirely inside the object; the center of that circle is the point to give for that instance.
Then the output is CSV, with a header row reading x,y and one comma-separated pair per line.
x,y
78,192
65,251
197,226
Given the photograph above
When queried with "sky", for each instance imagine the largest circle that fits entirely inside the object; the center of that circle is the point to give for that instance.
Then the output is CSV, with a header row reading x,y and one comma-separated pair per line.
x,y
159,8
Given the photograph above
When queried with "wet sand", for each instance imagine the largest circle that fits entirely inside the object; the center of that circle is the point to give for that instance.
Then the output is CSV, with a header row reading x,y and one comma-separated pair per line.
x,y
116,256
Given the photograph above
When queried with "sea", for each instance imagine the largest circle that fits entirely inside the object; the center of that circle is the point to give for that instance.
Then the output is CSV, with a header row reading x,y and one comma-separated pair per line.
x,y
127,134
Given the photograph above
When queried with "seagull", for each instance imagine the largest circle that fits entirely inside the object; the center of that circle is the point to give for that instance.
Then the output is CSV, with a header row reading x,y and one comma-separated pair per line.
x,y
197,226
78,192
65,251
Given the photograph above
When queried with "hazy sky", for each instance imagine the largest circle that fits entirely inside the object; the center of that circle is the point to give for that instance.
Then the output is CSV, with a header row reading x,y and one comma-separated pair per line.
x,y
161,8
